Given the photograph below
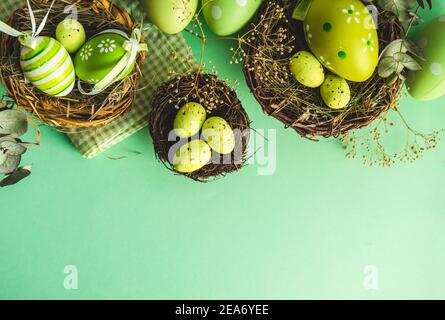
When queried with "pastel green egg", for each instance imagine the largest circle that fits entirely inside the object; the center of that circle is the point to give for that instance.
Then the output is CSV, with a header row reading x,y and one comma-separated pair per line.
x,y
189,120
307,69
100,55
429,83
192,156
48,67
71,34
335,92
343,36
226,17
171,16
219,135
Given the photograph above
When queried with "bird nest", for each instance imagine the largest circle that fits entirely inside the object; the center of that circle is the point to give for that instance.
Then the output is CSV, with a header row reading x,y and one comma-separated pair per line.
x,y
75,110
274,39
219,100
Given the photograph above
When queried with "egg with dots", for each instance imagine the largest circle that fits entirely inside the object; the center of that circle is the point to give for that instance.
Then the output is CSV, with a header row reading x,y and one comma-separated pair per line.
x,y
71,34
171,16
342,35
429,83
335,92
228,17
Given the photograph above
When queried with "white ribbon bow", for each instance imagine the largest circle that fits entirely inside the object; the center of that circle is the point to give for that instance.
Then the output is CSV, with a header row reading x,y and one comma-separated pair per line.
x,y
133,46
27,38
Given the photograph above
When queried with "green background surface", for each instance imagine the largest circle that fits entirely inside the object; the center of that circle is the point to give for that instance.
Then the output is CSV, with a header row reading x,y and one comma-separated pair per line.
x,y
134,230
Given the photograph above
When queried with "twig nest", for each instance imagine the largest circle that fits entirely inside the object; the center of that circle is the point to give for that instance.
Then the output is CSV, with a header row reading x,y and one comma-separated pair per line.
x,y
276,38
74,109
199,127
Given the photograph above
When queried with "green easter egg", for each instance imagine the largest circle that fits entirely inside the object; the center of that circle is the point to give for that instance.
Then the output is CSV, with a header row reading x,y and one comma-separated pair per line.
x,y
429,83
219,135
189,120
343,37
307,69
228,17
48,67
335,92
192,156
100,55
171,16
71,35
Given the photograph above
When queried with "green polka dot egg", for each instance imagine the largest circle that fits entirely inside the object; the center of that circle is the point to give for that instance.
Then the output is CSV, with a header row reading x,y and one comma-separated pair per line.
x,y
342,35
335,92
48,66
226,17
429,83
99,55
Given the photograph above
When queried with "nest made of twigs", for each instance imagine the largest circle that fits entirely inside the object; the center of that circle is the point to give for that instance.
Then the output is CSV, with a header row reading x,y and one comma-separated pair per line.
x,y
219,99
274,39
75,110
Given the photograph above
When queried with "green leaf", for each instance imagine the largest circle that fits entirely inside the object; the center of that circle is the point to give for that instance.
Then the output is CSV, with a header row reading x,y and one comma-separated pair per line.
x,y
3,157
12,148
407,61
301,10
16,176
392,79
394,47
414,49
387,67
396,6
13,122
11,164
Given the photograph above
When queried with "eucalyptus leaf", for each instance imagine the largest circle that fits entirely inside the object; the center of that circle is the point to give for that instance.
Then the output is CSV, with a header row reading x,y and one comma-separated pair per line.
x,y
11,164
387,67
407,61
13,122
414,49
394,47
12,148
16,176
3,157
396,6
392,78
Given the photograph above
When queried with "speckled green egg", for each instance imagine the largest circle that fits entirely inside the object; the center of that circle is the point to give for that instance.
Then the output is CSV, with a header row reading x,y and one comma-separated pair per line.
x,y
335,92
307,69
429,83
171,16
219,135
226,17
343,36
192,156
71,35
100,55
189,120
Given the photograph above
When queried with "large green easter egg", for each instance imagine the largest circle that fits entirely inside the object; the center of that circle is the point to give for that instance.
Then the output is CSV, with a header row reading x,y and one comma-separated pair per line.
x,y
71,34
219,135
48,67
189,120
429,83
226,17
171,16
192,156
342,35
100,55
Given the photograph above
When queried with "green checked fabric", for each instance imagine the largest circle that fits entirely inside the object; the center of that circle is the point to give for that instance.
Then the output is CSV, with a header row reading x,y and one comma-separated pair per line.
x,y
162,61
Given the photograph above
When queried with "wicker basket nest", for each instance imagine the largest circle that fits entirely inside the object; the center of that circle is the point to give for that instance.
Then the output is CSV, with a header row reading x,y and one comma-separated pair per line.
x,y
75,110
220,100
276,38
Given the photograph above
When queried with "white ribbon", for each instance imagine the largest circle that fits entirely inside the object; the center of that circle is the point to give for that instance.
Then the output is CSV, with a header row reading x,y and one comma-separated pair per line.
x,y
27,39
133,46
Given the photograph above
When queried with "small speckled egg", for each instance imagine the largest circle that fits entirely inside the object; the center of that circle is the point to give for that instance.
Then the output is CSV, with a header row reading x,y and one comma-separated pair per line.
x,y
71,35
171,16
307,69
226,17
335,92
189,120
219,135
342,35
429,83
192,156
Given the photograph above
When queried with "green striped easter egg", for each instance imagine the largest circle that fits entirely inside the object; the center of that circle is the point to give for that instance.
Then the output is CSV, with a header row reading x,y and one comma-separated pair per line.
x,y
48,67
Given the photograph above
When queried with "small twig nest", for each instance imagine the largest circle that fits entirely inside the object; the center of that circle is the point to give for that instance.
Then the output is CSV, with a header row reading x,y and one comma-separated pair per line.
x,y
275,38
75,110
219,100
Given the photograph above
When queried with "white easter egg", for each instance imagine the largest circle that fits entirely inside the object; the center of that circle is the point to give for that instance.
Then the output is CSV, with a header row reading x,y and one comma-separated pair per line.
x,y
48,67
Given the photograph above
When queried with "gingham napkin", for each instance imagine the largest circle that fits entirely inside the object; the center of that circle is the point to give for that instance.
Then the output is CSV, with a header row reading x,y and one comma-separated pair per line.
x,y
161,62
